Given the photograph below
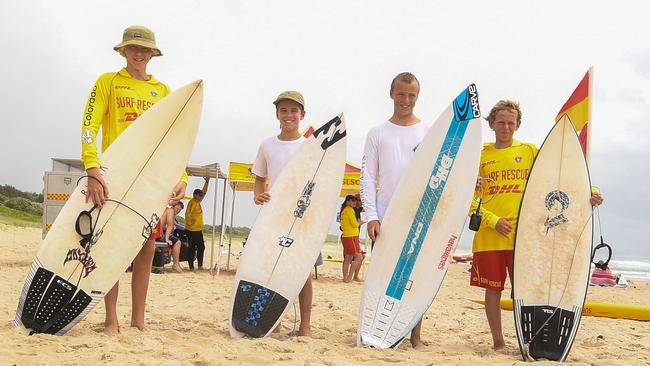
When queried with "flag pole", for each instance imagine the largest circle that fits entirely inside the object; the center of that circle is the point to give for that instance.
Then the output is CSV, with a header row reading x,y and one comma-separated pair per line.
x,y
589,115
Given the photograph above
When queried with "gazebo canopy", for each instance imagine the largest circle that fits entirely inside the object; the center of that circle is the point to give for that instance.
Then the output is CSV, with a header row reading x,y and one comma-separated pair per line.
x,y
242,180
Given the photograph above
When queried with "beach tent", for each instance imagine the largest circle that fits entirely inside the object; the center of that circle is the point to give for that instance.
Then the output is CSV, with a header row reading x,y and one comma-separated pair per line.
x,y
243,180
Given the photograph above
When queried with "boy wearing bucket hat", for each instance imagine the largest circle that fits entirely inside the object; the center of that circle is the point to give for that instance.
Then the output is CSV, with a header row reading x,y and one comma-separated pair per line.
x,y
273,154
117,100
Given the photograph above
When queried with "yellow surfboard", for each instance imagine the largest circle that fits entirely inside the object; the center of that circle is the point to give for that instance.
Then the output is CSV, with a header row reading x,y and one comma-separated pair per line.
x,y
602,309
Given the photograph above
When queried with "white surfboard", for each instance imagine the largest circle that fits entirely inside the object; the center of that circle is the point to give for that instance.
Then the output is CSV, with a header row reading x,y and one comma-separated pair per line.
x,y
141,168
422,225
553,247
288,233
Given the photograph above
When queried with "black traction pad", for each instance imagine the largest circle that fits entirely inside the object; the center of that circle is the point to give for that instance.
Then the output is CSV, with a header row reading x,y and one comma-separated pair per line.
x,y
256,309
553,338
49,304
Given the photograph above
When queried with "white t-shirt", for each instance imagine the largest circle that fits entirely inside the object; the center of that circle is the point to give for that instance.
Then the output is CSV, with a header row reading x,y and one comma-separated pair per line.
x,y
273,155
388,151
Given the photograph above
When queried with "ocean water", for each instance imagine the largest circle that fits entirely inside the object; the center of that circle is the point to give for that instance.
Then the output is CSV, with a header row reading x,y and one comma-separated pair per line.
x,y
631,267
634,268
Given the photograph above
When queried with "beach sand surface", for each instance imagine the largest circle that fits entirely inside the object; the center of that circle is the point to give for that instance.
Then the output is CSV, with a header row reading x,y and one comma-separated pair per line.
x,y
187,321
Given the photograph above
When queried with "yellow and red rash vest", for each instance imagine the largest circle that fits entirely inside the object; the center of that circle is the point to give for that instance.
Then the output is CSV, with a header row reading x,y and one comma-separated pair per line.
x,y
509,169
349,223
115,101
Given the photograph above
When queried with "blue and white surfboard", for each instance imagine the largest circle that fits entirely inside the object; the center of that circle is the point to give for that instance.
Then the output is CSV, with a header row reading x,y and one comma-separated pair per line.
x,y
422,225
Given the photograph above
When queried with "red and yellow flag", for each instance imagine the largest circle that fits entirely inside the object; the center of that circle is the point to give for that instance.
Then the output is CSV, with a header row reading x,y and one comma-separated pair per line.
x,y
578,110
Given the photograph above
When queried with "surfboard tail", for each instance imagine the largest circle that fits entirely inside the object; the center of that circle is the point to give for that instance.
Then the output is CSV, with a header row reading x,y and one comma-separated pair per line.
x,y
50,304
256,309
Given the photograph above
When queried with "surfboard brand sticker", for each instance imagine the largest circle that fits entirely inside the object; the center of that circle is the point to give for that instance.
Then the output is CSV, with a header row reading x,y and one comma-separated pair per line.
x,y
147,230
285,241
552,200
82,257
304,200
466,103
447,252
333,131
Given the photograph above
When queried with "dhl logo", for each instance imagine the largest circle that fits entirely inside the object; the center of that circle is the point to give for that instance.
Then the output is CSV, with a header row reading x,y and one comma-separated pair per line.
x,y
506,188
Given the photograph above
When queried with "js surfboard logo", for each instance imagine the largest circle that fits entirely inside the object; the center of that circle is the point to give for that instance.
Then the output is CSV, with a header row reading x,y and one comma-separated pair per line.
x,y
442,173
466,105
82,257
556,202
333,131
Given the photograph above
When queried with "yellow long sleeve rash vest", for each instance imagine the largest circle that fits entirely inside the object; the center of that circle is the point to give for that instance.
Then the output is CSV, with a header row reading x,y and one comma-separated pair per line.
x,y
116,100
508,170
349,223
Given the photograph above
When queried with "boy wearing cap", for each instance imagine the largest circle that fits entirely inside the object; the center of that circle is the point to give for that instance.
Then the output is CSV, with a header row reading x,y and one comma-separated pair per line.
x,y
273,154
116,100
387,153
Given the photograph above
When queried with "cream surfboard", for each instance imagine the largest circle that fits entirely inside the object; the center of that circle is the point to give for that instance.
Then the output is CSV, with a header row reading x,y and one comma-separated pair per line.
x,y
422,224
288,233
553,247
67,279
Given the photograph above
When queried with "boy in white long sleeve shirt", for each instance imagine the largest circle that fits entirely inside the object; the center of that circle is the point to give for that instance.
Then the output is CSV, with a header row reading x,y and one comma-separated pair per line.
x,y
388,151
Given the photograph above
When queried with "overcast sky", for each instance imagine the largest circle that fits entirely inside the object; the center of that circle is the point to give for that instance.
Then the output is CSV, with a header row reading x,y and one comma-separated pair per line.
x,y
341,55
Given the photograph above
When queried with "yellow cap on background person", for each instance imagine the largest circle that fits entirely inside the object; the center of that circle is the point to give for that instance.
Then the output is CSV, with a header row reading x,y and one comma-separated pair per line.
x,y
290,95
140,36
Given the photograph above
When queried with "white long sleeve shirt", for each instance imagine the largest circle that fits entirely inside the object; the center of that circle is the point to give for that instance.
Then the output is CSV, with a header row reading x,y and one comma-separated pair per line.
x,y
388,151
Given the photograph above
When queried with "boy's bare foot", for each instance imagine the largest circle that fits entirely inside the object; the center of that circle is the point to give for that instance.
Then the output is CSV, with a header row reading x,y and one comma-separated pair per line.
x,y
140,327
304,331
418,343
112,329
178,269
357,279
508,349
499,345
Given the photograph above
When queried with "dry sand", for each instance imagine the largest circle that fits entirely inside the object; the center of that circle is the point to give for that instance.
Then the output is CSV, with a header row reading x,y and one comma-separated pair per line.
x,y
187,320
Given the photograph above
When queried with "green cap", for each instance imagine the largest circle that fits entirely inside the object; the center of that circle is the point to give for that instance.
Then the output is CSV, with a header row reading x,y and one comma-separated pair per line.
x,y
290,95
